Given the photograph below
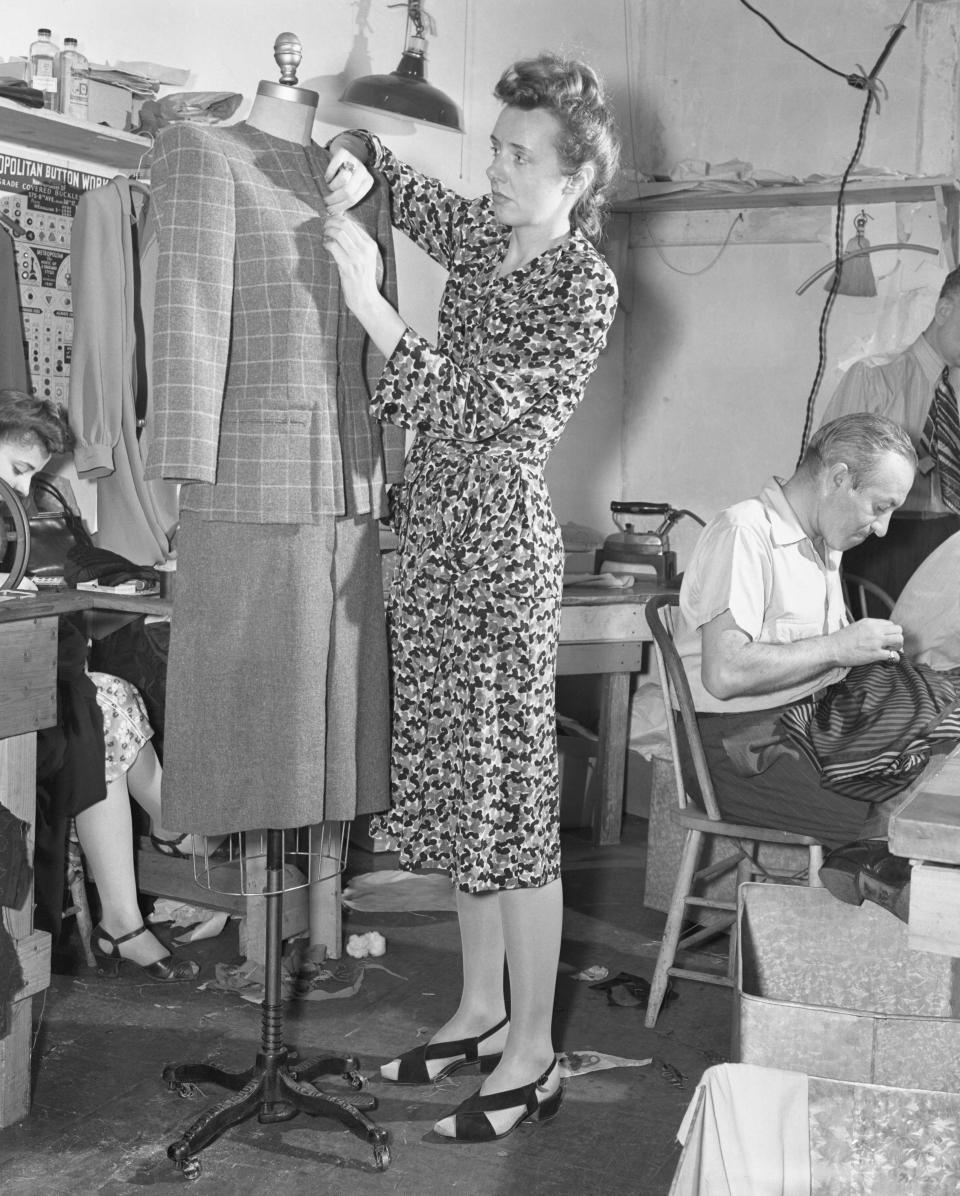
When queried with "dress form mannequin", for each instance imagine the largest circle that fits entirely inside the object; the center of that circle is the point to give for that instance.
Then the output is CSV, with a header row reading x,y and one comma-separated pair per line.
x,y
286,110
283,109
322,521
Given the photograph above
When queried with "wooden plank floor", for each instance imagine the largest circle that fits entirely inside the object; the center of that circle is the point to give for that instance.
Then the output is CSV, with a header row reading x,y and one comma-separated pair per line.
x,y
101,1117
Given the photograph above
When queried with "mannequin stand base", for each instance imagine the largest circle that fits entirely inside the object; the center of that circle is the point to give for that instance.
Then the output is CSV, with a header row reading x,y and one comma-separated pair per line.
x,y
272,1089
274,1092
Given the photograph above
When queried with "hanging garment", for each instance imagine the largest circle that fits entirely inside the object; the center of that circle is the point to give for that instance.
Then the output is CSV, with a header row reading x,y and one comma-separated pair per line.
x,y
13,356
941,439
277,674
113,268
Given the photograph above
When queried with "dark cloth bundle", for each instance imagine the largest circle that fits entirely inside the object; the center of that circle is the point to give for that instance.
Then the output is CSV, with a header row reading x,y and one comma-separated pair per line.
x,y
55,529
108,568
70,769
15,870
21,91
872,733
11,977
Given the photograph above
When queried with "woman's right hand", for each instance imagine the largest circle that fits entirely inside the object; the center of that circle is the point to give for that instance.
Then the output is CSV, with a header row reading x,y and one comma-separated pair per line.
x,y
349,181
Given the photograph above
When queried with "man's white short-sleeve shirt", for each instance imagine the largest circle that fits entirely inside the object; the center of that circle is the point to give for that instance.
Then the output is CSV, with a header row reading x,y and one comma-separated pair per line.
x,y
755,560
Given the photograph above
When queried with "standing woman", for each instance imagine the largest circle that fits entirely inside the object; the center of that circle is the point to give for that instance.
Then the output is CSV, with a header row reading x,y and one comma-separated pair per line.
x,y
475,604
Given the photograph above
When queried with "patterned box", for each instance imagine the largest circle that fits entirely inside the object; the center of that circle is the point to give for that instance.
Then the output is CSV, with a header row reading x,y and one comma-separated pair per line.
x,y
834,990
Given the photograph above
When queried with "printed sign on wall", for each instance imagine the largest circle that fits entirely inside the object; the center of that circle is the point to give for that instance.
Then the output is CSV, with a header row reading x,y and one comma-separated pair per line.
x,y
38,201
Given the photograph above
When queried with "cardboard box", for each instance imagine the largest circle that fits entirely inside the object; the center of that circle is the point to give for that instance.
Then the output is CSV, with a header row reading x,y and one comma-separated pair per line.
x,y
360,836
579,780
14,68
835,990
109,105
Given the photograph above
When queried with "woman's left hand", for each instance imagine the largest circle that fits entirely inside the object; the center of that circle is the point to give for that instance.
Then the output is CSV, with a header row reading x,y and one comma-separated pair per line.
x,y
348,180
358,260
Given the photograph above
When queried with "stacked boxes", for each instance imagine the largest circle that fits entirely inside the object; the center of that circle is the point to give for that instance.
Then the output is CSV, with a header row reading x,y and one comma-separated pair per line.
x,y
834,990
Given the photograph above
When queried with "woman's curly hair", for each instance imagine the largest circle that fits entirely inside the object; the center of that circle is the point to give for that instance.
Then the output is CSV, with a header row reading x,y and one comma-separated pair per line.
x,y
26,419
570,91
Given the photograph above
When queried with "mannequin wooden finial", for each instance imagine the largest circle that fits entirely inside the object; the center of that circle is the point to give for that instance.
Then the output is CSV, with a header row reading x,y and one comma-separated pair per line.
x,y
284,109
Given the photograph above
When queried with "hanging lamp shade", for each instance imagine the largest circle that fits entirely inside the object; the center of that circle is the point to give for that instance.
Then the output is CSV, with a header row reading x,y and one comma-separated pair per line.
x,y
405,91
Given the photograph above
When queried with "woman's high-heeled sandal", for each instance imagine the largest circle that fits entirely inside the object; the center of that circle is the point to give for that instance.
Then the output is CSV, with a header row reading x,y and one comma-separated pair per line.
x,y
462,1052
470,1120
167,968
171,847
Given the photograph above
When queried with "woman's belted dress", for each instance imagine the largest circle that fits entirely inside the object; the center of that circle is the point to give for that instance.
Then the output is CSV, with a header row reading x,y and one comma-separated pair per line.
x,y
475,606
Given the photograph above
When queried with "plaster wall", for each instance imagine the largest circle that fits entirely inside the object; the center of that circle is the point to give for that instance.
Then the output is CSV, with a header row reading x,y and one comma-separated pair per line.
x,y
702,390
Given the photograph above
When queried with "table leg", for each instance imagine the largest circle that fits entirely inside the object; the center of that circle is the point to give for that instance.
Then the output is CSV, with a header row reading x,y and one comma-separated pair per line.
x,y
612,757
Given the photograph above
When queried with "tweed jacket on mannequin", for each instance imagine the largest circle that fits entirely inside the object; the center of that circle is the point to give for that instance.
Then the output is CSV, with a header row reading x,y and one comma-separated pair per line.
x,y
257,408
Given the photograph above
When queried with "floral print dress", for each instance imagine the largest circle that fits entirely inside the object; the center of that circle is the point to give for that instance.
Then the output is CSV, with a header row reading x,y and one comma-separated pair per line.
x,y
474,609
126,727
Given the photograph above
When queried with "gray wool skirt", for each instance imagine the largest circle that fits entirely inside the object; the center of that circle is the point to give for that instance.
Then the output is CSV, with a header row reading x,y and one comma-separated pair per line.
x,y
277,709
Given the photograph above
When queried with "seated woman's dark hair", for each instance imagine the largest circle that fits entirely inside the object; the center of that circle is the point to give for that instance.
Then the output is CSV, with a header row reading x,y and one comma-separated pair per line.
x,y
571,92
25,419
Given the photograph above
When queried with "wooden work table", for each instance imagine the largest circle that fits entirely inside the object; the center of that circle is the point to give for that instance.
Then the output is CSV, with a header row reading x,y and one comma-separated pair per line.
x,y
926,830
28,703
605,632
602,632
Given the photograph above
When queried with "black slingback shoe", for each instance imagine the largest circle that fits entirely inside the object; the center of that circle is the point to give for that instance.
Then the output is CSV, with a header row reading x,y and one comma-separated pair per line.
x,y
462,1052
108,962
470,1120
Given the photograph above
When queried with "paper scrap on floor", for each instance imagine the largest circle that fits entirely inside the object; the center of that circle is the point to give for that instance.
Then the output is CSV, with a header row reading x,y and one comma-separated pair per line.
x,y
600,581
400,891
201,923
578,1063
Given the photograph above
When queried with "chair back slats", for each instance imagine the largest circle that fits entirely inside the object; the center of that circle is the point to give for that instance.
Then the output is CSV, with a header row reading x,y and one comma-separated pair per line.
x,y
677,698
857,591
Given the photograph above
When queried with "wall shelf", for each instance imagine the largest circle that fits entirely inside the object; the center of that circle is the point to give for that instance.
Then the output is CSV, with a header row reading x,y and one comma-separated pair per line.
x,y
943,190
669,197
34,130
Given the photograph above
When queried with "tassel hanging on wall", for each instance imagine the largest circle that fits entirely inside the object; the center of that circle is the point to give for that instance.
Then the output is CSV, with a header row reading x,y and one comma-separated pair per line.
x,y
856,274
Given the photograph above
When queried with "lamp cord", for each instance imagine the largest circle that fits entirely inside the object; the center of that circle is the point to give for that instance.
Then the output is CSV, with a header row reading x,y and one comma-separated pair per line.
x,y
870,83
834,282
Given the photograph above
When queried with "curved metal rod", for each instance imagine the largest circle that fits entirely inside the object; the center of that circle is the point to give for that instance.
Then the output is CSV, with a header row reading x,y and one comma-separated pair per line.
x,y
862,253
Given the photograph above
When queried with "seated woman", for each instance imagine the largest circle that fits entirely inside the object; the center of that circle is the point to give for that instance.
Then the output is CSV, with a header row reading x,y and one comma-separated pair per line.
x,y
99,751
105,831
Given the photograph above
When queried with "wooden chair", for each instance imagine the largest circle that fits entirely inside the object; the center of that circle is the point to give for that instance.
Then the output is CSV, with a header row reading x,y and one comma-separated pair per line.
x,y
857,591
702,823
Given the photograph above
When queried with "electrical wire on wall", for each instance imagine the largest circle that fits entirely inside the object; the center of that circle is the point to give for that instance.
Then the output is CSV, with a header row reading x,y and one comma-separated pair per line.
x,y
871,84
700,269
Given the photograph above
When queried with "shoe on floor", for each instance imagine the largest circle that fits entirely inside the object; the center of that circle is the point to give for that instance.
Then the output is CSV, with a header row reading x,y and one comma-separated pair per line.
x,y
866,871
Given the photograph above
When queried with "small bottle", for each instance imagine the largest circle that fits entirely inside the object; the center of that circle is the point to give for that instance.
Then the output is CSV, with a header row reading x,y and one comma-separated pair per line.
x,y
73,83
43,68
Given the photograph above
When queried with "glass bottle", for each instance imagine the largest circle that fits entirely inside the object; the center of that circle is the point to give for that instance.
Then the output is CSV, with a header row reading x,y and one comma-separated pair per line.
x,y
73,83
43,68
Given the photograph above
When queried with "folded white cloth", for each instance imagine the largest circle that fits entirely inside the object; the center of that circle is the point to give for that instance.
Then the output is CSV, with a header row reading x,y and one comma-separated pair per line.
x,y
745,1131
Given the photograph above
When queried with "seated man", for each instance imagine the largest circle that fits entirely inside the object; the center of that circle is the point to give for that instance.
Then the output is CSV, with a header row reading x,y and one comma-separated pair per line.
x,y
762,626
